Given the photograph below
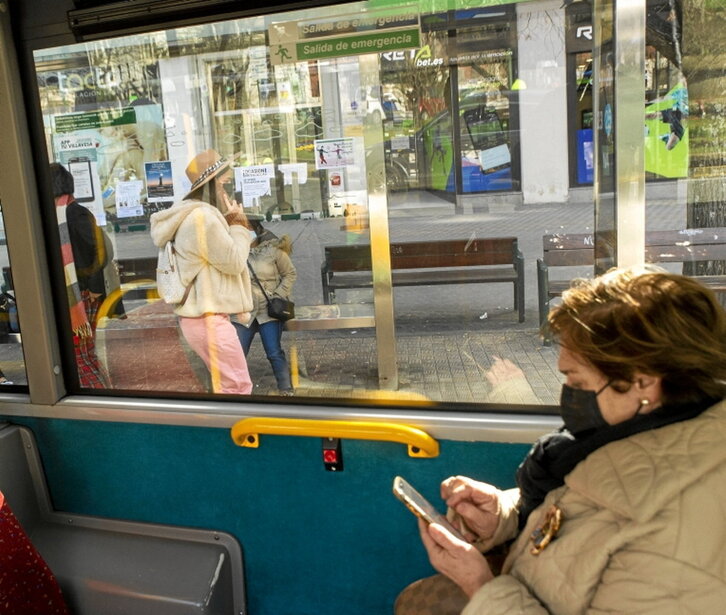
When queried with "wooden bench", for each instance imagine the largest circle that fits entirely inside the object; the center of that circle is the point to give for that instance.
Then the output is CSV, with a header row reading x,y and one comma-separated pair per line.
x,y
677,246
111,566
423,263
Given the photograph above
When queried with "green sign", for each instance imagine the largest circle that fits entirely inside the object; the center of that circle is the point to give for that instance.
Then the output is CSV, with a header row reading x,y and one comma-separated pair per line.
x,y
435,6
376,42
94,119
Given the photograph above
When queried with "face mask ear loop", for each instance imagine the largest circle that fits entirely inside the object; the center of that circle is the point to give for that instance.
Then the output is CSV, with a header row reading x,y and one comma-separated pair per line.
x,y
605,386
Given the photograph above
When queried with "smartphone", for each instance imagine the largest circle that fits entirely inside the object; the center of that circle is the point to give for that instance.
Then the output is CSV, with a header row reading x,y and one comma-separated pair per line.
x,y
420,506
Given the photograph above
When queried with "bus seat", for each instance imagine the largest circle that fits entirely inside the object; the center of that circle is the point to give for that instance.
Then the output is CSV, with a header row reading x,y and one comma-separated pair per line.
x,y
119,567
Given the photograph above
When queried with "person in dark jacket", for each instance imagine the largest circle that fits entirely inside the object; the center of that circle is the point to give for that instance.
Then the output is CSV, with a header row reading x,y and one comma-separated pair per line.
x,y
84,257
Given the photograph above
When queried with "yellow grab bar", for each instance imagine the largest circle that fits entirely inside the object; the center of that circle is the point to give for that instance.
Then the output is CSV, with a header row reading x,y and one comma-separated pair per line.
x,y
420,444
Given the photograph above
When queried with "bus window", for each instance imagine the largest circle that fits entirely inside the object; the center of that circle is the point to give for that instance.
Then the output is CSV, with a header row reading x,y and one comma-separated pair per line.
x,y
12,364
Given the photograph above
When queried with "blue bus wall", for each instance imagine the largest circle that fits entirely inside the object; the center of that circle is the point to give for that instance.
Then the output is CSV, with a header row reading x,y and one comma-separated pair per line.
x,y
314,542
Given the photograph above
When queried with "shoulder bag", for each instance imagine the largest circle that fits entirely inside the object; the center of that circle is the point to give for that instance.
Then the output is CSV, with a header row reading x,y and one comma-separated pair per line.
x,y
277,307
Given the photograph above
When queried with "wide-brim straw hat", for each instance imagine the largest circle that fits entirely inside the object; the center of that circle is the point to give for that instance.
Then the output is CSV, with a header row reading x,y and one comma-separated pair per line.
x,y
204,167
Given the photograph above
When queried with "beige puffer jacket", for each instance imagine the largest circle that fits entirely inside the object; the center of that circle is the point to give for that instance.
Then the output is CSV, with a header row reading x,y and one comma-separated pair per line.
x,y
209,252
274,270
643,531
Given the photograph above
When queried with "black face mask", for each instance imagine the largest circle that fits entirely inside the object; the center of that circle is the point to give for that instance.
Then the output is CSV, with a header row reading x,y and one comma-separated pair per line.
x,y
579,409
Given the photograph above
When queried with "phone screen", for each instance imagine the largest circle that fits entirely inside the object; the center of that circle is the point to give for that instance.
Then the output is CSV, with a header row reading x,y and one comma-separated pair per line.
x,y
82,179
420,506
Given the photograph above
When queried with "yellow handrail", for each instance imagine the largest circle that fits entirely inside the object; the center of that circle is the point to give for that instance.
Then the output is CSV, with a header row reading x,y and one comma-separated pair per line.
x,y
420,444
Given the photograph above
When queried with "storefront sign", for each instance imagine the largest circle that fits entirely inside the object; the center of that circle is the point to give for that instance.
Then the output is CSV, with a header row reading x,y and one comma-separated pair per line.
x,y
95,119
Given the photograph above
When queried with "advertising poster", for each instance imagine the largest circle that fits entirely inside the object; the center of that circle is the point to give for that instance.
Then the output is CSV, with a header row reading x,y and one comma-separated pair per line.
x,y
334,153
585,157
159,182
116,142
77,152
128,199
253,182
666,134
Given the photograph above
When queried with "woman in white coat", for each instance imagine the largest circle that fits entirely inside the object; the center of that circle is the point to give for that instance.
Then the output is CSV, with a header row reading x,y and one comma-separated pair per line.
x,y
212,240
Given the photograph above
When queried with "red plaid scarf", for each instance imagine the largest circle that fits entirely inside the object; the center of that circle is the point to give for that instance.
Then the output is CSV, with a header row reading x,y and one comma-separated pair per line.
x,y
79,321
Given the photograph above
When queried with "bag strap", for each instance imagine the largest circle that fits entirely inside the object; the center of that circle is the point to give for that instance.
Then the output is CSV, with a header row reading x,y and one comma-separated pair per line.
x,y
262,288
188,289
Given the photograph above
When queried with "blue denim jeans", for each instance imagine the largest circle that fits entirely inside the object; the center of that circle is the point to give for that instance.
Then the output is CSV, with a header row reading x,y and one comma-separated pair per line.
x,y
270,334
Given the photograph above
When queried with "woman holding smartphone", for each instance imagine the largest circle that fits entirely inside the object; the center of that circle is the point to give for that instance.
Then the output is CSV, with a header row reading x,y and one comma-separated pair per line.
x,y
212,241
621,510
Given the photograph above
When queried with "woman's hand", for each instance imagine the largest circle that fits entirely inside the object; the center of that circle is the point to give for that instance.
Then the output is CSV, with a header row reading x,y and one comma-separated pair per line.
x,y
476,503
456,559
503,370
235,213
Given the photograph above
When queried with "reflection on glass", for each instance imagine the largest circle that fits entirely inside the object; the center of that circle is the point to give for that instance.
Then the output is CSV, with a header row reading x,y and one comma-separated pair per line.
x,y
467,133
685,141
12,363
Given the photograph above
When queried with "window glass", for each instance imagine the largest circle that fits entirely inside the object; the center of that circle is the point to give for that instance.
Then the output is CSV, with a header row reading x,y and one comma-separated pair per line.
x,y
686,140
426,173
12,362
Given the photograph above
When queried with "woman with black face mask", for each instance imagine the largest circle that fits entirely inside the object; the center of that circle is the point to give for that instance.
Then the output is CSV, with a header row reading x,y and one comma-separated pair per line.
x,y
621,509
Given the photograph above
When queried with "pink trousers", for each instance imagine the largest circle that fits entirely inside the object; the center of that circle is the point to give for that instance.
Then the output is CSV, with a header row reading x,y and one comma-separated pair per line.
x,y
215,340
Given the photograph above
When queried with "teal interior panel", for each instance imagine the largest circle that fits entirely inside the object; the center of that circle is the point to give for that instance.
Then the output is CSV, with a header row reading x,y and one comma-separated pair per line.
x,y
315,542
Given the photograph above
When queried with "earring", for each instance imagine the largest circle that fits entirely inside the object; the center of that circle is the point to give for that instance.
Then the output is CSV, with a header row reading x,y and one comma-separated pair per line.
x,y
644,402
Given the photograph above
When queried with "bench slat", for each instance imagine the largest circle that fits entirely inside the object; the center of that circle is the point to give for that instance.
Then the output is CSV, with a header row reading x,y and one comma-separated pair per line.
x,y
685,253
570,258
424,278
420,254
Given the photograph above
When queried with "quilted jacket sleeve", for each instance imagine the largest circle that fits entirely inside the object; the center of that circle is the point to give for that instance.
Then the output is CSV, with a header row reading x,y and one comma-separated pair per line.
x,y
504,595
287,271
508,521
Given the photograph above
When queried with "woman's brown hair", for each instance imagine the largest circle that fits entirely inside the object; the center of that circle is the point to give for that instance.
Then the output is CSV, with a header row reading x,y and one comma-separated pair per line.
x,y
650,321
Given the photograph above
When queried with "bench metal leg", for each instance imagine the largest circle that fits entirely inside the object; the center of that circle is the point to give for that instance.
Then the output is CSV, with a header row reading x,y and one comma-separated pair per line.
x,y
543,300
519,295
326,289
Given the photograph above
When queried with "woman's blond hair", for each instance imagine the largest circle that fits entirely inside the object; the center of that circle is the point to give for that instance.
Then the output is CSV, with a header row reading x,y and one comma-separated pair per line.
x,y
649,321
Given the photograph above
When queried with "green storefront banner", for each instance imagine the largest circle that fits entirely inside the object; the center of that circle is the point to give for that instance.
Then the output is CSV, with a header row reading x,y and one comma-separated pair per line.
x,y
377,42
94,119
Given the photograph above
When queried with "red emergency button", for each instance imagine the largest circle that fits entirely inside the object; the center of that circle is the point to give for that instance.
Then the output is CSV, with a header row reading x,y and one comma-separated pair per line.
x,y
332,454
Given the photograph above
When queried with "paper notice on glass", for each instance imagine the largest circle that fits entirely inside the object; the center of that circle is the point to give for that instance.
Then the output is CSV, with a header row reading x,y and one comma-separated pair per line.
x,y
494,157
400,143
128,199
300,168
254,188
258,171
